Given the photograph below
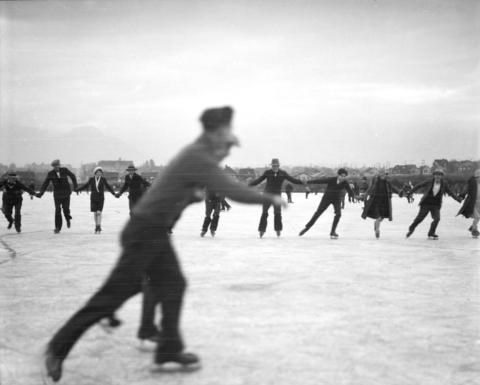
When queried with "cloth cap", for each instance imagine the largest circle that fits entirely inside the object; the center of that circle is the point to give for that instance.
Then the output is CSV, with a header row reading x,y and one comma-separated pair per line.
x,y
55,162
131,168
438,171
213,118
12,173
97,169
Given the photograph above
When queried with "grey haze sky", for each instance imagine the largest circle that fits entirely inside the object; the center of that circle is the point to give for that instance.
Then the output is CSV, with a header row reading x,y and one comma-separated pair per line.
x,y
312,82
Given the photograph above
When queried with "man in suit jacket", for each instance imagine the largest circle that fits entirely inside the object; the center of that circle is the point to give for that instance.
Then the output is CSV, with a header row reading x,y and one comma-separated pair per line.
x,y
61,192
275,178
146,247
332,196
431,202
12,199
135,185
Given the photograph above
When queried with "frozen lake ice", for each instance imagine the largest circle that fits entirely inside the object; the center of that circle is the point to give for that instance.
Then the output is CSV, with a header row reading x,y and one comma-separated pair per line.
x,y
289,310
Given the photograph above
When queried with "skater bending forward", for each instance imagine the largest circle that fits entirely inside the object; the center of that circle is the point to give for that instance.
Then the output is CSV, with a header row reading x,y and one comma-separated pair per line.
x,y
146,247
431,202
332,196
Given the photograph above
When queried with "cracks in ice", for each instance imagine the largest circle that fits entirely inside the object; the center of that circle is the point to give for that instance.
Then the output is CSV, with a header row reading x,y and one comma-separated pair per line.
x,y
11,252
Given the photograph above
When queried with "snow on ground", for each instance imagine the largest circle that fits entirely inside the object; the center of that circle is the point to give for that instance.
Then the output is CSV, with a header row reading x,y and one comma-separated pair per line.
x,y
287,310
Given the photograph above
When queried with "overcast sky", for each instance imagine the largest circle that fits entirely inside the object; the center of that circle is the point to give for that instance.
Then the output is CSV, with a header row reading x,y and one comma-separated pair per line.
x,y
312,82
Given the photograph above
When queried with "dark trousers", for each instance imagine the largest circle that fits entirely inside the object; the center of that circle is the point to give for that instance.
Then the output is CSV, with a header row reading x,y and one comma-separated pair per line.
x,y
422,213
132,201
289,197
8,209
143,256
61,203
149,303
277,218
212,221
324,203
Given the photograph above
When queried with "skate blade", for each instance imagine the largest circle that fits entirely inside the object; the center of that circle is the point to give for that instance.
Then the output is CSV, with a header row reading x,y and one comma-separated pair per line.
x,y
106,328
172,367
146,346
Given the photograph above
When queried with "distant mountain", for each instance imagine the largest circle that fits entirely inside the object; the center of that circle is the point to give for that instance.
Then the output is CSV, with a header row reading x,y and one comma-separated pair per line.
x,y
79,145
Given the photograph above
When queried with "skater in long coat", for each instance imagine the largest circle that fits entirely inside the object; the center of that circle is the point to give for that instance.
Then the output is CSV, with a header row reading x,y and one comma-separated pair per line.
x,y
12,200
332,196
378,200
275,178
135,185
97,185
433,191
146,247
471,206
61,192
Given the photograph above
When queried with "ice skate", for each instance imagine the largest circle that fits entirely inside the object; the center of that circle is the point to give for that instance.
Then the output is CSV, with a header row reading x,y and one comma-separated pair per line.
x,y
56,231
377,234
212,233
333,236
261,233
69,223
202,234
184,359
475,233
303,232
10,224
53,368
409,233
278,233
433,237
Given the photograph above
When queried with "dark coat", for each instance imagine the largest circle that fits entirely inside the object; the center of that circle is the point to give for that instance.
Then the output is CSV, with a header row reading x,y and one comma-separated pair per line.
x,y
370,196
274,181
61,187
13,191
427,185
97,195
334,189
469,204
135,185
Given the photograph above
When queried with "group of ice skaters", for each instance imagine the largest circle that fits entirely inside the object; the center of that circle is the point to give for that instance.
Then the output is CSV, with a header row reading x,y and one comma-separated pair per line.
x,y
148,262
376,198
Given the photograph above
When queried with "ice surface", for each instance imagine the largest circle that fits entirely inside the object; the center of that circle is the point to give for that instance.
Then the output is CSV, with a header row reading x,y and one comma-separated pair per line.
x,y
289,310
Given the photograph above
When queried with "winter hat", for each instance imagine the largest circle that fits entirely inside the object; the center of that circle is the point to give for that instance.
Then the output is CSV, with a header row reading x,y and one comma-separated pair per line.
x,y
213,118
275,162
97,169
55,162
131,168
342,171
438,171
12,173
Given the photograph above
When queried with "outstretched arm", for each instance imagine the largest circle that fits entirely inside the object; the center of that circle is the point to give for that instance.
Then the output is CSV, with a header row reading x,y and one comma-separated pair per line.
x,y
73,178
259,180
349,190
83,187
451,193
318,181
292,179
25,188
108,187
215,179
44,186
